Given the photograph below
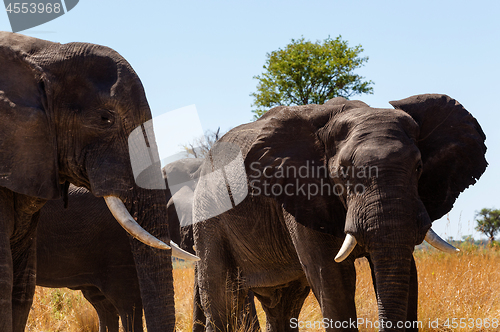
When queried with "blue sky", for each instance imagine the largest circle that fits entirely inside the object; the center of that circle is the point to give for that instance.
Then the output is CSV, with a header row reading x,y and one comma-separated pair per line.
x,y
206,52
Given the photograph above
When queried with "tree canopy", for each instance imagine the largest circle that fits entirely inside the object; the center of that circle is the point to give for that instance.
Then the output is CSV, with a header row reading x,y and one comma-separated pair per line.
x,y
310,73
488,222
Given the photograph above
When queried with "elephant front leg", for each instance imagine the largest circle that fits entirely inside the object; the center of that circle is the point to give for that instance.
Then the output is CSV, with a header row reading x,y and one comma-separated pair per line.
x,y
199,318
334,287
220,290
5,282
332,283
23,289
106,311
218,294
282,305
6,265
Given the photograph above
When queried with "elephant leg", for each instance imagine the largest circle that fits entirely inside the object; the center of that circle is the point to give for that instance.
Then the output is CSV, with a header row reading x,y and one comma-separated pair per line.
x,y
24,281
221,295
333,284
248,314
222,306
129,304
6,269
240,314
214,279
334,288
199,318
131,317
282,305
411,315
108,315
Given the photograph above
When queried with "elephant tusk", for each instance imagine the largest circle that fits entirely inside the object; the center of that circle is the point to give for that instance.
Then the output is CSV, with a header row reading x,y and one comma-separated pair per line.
x,y
347,247
434,240
182,254
121,214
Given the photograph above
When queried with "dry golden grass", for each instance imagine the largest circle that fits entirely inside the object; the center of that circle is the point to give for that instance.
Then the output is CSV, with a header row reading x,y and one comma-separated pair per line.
x,y
61,310
465,285
183,287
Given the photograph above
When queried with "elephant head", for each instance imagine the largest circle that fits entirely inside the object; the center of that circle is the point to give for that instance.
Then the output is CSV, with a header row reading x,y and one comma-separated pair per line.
x,y
381,176
67,112
181,178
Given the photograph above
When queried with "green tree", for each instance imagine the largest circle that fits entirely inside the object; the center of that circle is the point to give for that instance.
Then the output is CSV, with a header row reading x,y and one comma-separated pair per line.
x,y
309,73
488,222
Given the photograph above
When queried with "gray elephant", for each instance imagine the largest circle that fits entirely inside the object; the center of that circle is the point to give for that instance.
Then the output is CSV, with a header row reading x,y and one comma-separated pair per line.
x,y
69,114
314,174
101,263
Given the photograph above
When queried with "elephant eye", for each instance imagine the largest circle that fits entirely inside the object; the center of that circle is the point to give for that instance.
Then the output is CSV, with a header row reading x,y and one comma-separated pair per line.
x,y
340,172
107,118
419,168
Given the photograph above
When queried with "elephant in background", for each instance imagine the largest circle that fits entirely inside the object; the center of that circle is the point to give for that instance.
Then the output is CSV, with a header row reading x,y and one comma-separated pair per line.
x,y
340,180
76,113
83,248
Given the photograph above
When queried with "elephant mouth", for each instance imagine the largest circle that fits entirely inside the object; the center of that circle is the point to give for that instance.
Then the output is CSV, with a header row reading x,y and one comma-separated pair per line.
x,y
121,214
431,237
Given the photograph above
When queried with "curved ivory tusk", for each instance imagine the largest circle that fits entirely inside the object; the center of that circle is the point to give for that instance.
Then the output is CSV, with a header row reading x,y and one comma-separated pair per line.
x,y
434,240
347,247
182,254
121,214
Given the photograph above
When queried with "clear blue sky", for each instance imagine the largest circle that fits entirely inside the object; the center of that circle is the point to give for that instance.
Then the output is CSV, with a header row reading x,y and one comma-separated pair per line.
x,y
206,52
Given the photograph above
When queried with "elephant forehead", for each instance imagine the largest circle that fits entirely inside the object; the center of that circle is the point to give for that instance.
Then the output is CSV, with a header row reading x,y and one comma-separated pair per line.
x,y
387,151
371,123
379,134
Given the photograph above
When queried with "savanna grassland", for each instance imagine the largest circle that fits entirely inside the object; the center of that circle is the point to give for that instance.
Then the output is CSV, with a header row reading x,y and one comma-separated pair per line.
x,y
462,286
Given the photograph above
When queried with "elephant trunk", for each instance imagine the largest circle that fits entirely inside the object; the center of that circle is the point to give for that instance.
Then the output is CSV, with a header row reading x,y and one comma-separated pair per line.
x,y
154,271
388,226
392,282
154,266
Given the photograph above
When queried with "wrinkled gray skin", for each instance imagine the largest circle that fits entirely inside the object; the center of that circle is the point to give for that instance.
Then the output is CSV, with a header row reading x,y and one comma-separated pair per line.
x,y
66,112
82,247
426,151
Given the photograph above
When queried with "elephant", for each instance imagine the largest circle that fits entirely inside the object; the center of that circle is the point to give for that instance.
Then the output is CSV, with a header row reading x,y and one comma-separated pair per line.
x,y
101,263
77,113
319,186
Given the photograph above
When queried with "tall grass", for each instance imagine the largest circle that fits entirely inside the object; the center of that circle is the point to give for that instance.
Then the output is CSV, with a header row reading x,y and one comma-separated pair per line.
x,y
61,310
465,285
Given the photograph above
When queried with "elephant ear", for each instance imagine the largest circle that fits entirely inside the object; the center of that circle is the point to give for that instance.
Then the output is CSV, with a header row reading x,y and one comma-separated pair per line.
x,y
28,162
286,161
451,143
